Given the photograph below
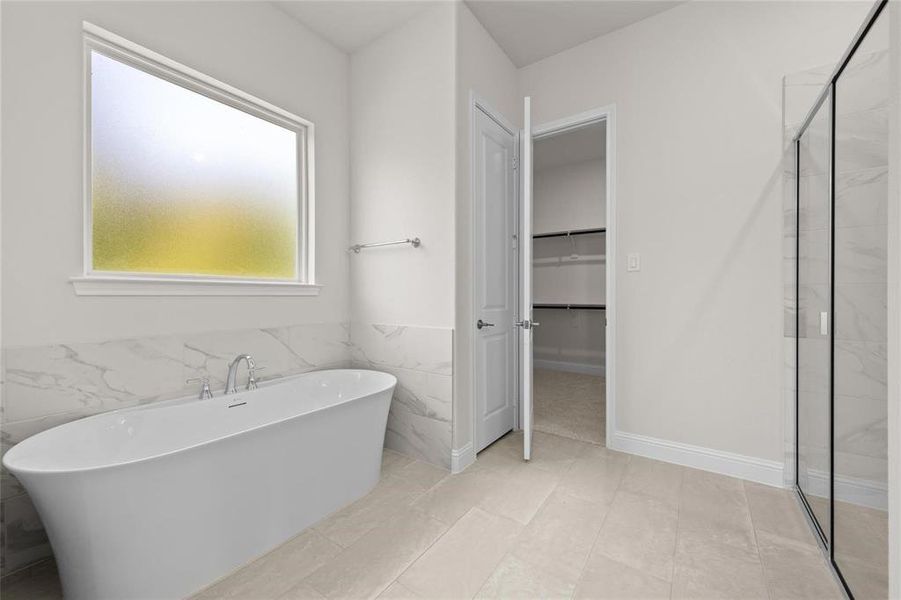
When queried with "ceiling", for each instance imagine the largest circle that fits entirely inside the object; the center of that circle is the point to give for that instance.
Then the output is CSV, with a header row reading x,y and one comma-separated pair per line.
x,y
351,24
578,145
527,30
530,30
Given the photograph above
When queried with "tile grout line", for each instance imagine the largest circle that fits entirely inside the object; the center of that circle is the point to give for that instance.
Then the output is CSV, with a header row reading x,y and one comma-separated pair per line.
x,y
672,579
601,528
766,579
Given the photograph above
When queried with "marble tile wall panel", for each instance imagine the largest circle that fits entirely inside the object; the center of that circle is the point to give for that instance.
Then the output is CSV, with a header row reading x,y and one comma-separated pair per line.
x,y
861,312
47,386
860,197
420,437
861,140
861,427
865,83
89,378
427,349
276,351
420,420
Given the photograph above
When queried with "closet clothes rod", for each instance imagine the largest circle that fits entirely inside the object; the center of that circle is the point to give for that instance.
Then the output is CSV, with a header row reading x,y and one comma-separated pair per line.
x,y
554,234
572,306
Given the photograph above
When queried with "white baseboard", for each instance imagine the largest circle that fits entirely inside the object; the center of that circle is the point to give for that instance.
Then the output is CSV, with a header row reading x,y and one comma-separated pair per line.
x,y
768,472
851,490
462,458
569,367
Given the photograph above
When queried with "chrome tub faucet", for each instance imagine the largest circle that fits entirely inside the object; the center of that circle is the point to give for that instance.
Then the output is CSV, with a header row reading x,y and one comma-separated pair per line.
x,y
230,381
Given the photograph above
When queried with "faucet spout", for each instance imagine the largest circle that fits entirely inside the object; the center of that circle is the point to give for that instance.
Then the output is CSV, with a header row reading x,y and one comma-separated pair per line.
x,y
230,381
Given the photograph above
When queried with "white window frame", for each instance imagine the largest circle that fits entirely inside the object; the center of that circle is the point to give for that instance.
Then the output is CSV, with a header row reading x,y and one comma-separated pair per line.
x,y
105,283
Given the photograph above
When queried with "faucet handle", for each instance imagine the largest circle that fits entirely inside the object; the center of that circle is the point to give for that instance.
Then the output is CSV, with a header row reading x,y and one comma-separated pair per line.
x,y
252,377
205,392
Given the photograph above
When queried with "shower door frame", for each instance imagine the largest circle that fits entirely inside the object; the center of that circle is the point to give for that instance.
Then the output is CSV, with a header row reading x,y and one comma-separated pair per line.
x,y
826,95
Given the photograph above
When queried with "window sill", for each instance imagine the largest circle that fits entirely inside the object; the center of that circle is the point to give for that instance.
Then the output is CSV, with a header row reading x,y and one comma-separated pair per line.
x,y
162,286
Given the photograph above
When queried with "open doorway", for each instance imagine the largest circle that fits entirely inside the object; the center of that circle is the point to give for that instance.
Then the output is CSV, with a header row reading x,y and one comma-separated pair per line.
x,y
569,252
543,280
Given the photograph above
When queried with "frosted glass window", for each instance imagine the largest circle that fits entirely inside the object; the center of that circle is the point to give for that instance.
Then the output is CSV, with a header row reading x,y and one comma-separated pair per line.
x,y
183,184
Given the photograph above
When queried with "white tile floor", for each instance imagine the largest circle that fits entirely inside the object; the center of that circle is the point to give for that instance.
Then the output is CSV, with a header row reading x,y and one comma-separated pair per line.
x,y
578,521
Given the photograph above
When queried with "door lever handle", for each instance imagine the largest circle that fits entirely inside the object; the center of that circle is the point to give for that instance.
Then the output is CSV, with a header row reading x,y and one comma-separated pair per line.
x,y
480,324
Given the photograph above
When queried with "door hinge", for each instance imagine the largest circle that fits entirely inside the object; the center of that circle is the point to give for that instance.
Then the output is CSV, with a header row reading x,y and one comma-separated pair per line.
x,y
514,241
515,164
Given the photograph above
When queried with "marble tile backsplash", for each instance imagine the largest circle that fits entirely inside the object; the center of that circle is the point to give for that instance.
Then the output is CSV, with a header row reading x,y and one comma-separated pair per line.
x,y
46,386
419,423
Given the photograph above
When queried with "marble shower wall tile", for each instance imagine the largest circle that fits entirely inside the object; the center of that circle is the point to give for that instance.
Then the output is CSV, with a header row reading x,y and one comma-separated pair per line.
x,y
861,427
861,312
865,83
861,255
419,423
861,198
861,140
861,370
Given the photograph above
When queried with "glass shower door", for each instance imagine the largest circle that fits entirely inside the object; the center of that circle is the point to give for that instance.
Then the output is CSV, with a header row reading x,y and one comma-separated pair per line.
x,y
814,277
860,545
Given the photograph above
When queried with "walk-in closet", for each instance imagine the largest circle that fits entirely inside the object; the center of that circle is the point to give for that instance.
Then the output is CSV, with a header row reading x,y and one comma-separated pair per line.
x,y
568,274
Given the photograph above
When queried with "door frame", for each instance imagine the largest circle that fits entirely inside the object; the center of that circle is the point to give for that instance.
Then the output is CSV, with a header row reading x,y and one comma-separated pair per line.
x,y
577,121
477,103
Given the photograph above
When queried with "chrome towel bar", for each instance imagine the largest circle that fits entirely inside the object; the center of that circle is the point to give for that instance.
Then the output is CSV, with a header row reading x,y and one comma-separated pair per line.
x,y
412,241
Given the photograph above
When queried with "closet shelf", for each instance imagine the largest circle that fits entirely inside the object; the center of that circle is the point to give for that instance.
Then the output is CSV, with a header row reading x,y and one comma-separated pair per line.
x,y
572,306
553,234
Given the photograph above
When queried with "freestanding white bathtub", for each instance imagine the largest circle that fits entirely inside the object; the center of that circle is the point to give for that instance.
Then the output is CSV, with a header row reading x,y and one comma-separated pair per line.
x,y
159,501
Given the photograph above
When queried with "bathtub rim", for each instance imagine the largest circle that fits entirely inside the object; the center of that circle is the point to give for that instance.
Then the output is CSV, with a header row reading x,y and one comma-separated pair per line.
x,y
16,471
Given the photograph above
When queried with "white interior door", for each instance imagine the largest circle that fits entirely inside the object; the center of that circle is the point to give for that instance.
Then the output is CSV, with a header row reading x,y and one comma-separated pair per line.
x,y
494,278
525,274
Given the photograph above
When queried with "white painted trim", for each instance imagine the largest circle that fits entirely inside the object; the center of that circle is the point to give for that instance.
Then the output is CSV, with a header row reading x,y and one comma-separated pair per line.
x,y
462,458
608,114
852,490
768,472
569,367
163,286
114,46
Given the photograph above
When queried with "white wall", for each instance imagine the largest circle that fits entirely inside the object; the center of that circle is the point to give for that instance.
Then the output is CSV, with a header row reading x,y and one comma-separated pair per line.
x,y
570,271
402,185
482,69
698,96
580,188
402,179
252,46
